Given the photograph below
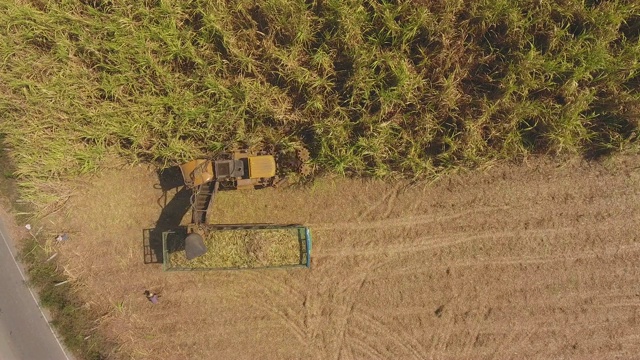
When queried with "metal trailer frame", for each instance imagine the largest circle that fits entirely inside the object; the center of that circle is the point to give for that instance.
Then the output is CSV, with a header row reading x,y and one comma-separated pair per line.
x,y
304,238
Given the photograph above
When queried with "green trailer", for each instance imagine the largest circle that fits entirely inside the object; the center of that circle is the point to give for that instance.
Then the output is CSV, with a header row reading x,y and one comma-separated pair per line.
x,y
241,246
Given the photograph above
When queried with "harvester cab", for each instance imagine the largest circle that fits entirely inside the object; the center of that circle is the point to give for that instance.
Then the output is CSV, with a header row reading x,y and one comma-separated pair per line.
x,y
237,170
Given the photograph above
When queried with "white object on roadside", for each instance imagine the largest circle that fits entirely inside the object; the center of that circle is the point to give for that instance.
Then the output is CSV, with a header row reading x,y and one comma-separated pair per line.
x,y
62,237
28,227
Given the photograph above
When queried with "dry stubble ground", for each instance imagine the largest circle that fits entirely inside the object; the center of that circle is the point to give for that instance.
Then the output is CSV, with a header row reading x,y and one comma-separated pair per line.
x,y
536,261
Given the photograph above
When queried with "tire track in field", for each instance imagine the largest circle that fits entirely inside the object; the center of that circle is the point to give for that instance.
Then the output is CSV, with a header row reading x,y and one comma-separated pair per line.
x,y
526,260
535,327
343,296
513,261
282,292
440,336
514,333
372,267
353,286
509,341
520,212
328,318
408,221
363,346
474,333
338,331
514,337
291,325
261,278
405,341
425,243
388,198
390,205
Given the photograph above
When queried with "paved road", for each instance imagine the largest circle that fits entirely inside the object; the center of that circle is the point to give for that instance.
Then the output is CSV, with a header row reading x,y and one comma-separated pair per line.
x,y
24,330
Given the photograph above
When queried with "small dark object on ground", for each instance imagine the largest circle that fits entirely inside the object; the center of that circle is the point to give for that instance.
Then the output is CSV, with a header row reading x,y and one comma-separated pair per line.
x,y
151,296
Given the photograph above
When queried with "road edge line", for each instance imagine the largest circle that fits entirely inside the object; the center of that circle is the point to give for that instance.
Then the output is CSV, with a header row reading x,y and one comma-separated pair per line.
x,y
13,257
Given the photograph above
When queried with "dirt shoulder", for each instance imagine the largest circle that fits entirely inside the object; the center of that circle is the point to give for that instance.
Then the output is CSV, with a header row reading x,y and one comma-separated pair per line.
x,y
537,261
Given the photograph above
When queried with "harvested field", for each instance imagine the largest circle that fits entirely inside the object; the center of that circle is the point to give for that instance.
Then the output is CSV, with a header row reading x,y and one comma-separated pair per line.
x,y
244,249
533,261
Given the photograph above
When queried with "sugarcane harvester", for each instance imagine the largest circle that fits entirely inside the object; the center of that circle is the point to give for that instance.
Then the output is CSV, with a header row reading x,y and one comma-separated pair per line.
x,y
236,170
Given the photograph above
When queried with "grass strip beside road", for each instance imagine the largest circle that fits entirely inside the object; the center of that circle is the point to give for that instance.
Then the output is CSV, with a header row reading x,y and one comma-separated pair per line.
x,y
72,320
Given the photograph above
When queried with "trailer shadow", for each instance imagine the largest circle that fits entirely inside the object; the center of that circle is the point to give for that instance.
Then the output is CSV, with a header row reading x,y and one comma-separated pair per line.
x,y
175,203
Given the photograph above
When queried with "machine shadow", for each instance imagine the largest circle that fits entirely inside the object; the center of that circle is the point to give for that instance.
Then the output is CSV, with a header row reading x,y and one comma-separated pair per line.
x,y
170,217
169,178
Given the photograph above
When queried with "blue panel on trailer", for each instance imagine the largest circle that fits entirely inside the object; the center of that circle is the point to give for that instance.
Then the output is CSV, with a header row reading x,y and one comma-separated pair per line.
x,y
308,239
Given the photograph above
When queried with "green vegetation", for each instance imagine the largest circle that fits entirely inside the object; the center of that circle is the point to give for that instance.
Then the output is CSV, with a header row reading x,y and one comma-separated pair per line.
x,y
372,88
7,178
74,322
